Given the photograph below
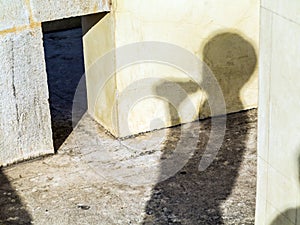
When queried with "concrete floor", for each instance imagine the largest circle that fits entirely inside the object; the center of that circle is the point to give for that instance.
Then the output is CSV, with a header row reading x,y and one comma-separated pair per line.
x,y
96,179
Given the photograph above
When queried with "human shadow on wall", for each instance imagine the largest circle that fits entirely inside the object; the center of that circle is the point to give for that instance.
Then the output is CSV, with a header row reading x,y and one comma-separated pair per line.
x,y
12,211
292,215
191,196
65,68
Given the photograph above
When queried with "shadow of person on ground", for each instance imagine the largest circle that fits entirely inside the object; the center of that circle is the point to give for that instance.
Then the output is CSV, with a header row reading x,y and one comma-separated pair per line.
x,y
12,211
289,216
191,196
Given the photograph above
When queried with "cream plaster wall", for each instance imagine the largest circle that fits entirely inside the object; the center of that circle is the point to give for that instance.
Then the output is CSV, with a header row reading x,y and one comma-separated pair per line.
x,y
98,102
278,188
223,34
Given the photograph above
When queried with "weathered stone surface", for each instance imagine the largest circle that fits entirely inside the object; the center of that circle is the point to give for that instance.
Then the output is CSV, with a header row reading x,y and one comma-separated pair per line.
x,y
24,111
53,10
13,13
55,190
25,120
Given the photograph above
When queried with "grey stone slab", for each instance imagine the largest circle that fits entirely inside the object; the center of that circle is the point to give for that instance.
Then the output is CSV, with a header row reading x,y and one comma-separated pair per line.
x,y
25,127
13,13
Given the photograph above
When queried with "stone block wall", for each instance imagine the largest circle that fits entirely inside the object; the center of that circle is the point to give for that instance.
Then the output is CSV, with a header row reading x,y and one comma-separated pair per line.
x,y
25,125
278,188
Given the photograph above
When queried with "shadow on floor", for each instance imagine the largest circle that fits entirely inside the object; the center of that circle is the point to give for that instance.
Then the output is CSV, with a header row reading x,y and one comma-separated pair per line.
x,y
191,196
194,197
12,211
65,68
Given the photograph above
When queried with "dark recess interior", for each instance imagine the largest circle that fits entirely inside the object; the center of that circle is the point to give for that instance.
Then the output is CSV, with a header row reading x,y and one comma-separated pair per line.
x,y
65,68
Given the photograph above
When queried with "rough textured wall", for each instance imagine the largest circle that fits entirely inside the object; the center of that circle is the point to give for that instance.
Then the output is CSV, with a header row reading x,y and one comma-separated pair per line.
x,y
25,129
25,122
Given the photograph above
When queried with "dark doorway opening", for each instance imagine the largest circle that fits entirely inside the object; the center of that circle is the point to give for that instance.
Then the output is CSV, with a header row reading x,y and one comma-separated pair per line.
x,y
65,68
